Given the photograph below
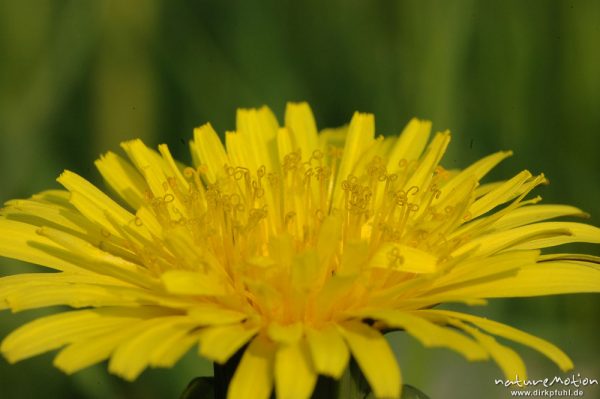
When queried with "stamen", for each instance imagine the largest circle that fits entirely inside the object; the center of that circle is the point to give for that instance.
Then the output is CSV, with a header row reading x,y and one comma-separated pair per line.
x,y
168,198
395,258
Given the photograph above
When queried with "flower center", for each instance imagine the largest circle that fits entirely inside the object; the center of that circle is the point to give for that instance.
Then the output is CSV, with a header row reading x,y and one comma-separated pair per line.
x,y
270,233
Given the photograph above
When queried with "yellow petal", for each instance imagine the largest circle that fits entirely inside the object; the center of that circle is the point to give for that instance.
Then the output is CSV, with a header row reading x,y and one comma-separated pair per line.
x,y
74,295
122,178
511,333
428,333
328,240
98,261
21,241
329,352
354,258
583,259
336,291
185,282
51,332
428,301
301,124
253,377
87,352
54,197
533,236
208,314
294,374
578,232
404,258
475,171
65,218
374,357
481,225
485,188
424,172
305,271
548,278
535,213
377,147
175,169
332,138
132,356
34,290
208,150
157,173
16,282
257,131
40,213
509,361
410,143
149,166
477,268
171,348
237,152
510,189
219,343
146,219
287,334
93,203
360,137
285,145
458,199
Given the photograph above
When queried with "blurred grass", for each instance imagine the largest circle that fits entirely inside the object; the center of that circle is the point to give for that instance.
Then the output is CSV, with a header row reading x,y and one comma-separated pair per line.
x,y
76,78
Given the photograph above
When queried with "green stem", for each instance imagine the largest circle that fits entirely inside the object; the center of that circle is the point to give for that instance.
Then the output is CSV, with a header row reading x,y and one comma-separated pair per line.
x,y
224,373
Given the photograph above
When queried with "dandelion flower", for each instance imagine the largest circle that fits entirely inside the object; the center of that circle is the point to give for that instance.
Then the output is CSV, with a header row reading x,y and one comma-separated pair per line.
x,y
293,247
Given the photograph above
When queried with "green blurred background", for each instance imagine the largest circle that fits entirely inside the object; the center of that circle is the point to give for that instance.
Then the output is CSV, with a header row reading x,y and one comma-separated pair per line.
x,y
78,77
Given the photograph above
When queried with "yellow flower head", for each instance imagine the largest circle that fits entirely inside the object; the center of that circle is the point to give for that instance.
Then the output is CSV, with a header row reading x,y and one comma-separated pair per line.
x,y
299,246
